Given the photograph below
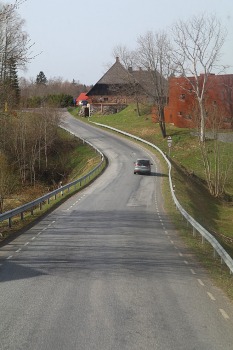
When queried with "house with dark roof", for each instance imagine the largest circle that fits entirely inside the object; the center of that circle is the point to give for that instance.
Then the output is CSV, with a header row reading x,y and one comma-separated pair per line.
x,y
120,86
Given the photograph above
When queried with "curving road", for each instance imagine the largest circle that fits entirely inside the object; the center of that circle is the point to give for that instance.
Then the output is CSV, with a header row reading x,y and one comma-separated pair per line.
x,y
106,270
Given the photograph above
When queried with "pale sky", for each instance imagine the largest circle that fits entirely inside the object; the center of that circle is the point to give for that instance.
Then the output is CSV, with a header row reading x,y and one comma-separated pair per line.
x,y
76,38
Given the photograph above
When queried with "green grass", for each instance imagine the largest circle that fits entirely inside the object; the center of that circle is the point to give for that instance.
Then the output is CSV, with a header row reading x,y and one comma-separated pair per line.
x,y
188,172
216,215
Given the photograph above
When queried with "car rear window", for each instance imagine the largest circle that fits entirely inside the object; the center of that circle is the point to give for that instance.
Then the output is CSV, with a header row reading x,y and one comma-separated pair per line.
x,y
143,162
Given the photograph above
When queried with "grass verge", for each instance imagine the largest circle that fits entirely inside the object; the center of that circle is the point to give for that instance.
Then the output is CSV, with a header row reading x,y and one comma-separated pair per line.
x,y
77,159
216,215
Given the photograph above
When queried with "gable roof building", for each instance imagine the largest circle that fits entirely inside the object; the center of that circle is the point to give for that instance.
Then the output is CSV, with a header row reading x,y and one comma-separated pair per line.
x,y
121,85
111,81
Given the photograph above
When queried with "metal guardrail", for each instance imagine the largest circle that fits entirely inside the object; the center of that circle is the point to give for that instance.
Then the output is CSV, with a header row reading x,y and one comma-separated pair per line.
x,y
31,206
195,225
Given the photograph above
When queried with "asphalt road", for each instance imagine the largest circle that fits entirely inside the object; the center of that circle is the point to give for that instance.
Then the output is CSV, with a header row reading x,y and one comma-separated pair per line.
x,y
107,271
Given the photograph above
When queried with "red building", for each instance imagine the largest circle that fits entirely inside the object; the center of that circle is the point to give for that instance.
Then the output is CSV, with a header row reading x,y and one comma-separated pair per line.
x,y
182,106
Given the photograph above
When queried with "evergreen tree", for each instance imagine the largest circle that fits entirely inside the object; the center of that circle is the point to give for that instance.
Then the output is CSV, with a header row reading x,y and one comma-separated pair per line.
x,y
10,95
14,82
41,79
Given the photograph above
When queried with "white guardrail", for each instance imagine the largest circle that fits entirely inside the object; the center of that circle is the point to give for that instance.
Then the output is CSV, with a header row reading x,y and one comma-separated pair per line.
x,y
195,225
31,206
218,249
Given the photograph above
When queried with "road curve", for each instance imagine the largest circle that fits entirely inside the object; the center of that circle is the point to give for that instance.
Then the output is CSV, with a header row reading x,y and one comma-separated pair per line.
x,y
106,270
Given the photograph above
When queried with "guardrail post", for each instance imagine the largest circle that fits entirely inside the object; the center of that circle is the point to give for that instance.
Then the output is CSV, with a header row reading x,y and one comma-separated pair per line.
x,y
9,222
21,215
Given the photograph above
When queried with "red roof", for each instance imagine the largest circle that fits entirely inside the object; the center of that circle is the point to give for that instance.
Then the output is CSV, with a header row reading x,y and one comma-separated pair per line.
x,y
82,97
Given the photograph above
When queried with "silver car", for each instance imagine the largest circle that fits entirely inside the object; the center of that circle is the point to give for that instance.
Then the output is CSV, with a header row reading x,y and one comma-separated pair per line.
x,y
142,166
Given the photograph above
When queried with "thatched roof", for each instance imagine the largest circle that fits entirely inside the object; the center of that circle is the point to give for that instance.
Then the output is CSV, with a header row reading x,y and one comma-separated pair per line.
x,y
118,75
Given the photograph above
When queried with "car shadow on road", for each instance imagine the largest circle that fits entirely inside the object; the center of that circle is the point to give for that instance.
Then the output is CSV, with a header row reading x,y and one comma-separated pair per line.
x,y
158,174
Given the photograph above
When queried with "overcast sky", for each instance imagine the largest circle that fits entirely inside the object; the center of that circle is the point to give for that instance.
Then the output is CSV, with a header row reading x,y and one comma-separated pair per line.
x,y
76,39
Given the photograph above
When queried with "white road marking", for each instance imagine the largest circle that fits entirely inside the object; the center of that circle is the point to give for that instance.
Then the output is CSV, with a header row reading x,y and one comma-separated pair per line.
x,y
180,254
186,262
224,314
200,281
211,296
193,272
9,257
18,250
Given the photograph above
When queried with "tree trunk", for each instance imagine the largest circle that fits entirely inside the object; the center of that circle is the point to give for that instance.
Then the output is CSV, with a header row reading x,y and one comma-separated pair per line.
x,y
162,123
202,122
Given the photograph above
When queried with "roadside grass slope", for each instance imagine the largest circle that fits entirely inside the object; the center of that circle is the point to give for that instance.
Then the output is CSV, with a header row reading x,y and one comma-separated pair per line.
x,y
70,160
215,214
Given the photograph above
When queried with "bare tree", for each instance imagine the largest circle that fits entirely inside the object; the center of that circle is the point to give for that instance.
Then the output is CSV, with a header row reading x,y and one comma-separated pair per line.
x,y
30,137
15,45
19,145
216,160
154,54
131,87
47,123
30,90
127,57
198,42
7,181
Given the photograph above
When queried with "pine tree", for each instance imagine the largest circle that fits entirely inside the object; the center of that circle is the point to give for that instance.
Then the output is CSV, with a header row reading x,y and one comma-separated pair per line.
x,y
41,79
10,85
14,82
